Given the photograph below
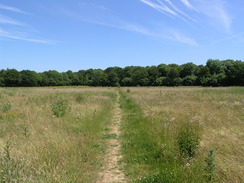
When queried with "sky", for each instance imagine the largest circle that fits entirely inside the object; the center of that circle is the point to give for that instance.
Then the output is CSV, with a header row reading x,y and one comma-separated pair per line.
x,y
64,35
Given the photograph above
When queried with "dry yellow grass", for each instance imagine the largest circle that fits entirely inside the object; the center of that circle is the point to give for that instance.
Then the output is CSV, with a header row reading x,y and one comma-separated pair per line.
x,y
53,149
70,148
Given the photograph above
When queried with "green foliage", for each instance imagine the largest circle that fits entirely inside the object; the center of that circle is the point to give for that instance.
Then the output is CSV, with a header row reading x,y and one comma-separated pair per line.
x,y
60,108
29,78
110,136
1,81
140,77
10,170
189,81
214,73
188,69
5,108
210,167
188,142
11,78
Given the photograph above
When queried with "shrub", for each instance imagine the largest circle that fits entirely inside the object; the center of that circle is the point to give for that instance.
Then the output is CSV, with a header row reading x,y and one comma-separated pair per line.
x,y
188,142
60,108
210,168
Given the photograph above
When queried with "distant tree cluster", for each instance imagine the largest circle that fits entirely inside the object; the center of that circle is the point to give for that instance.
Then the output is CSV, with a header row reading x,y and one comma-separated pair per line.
x,y
214,73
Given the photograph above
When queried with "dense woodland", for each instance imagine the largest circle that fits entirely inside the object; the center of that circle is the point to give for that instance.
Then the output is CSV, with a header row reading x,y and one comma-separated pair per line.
x,y
214,73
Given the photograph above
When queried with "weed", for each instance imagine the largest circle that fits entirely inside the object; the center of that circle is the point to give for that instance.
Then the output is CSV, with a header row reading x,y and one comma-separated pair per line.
x,y
188,142
128,90
26,130
5,108
110,136
60,108
10,169
80,98
210,168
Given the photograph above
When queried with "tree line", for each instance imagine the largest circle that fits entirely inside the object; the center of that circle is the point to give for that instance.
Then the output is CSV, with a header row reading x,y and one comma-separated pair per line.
x,y
214,73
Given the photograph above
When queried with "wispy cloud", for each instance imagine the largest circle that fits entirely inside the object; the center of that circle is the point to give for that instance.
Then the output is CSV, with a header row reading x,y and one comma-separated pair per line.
x,y
236,38
166,33
161,7
11,23
7,20
16,36
10,8
188,5
172,10
179,37
216,11
109,19
180,11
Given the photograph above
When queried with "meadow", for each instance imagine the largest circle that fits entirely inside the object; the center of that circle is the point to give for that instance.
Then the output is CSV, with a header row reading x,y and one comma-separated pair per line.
x,y
53,135
167,134
185,134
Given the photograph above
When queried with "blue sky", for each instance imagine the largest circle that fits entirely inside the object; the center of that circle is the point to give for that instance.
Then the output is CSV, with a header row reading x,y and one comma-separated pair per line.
x,y
73,35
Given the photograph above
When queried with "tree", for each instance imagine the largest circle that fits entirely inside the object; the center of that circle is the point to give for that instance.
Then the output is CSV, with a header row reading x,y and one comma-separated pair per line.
x,y
140,77
12,78
99,78
173,73
215,66
65,79
53,78
1,78
153,74
202,75
73,78
188,69
126,82
113,76
163,70
159,81
189,80
234,73
29,78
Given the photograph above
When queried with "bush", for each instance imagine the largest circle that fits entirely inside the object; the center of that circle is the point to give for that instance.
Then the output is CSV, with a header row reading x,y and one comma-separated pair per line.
x,y
188,142
60,108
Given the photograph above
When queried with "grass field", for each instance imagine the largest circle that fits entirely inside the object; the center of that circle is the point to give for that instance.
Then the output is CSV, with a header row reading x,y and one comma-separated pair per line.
x,y
154,120
38,146
181,134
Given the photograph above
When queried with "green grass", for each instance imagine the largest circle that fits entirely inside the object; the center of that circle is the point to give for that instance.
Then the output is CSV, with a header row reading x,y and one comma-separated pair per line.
x,y
155,119
149,156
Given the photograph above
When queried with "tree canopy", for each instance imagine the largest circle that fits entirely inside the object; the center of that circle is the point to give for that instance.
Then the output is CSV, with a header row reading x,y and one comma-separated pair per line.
x,y
214,73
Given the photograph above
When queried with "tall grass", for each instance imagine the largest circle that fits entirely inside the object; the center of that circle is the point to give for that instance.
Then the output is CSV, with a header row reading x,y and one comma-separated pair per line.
x,y
46,148
150,154
169,132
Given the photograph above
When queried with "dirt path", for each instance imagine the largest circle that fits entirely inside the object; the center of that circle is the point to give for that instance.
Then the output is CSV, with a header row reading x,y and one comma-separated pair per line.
x,y
112,172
